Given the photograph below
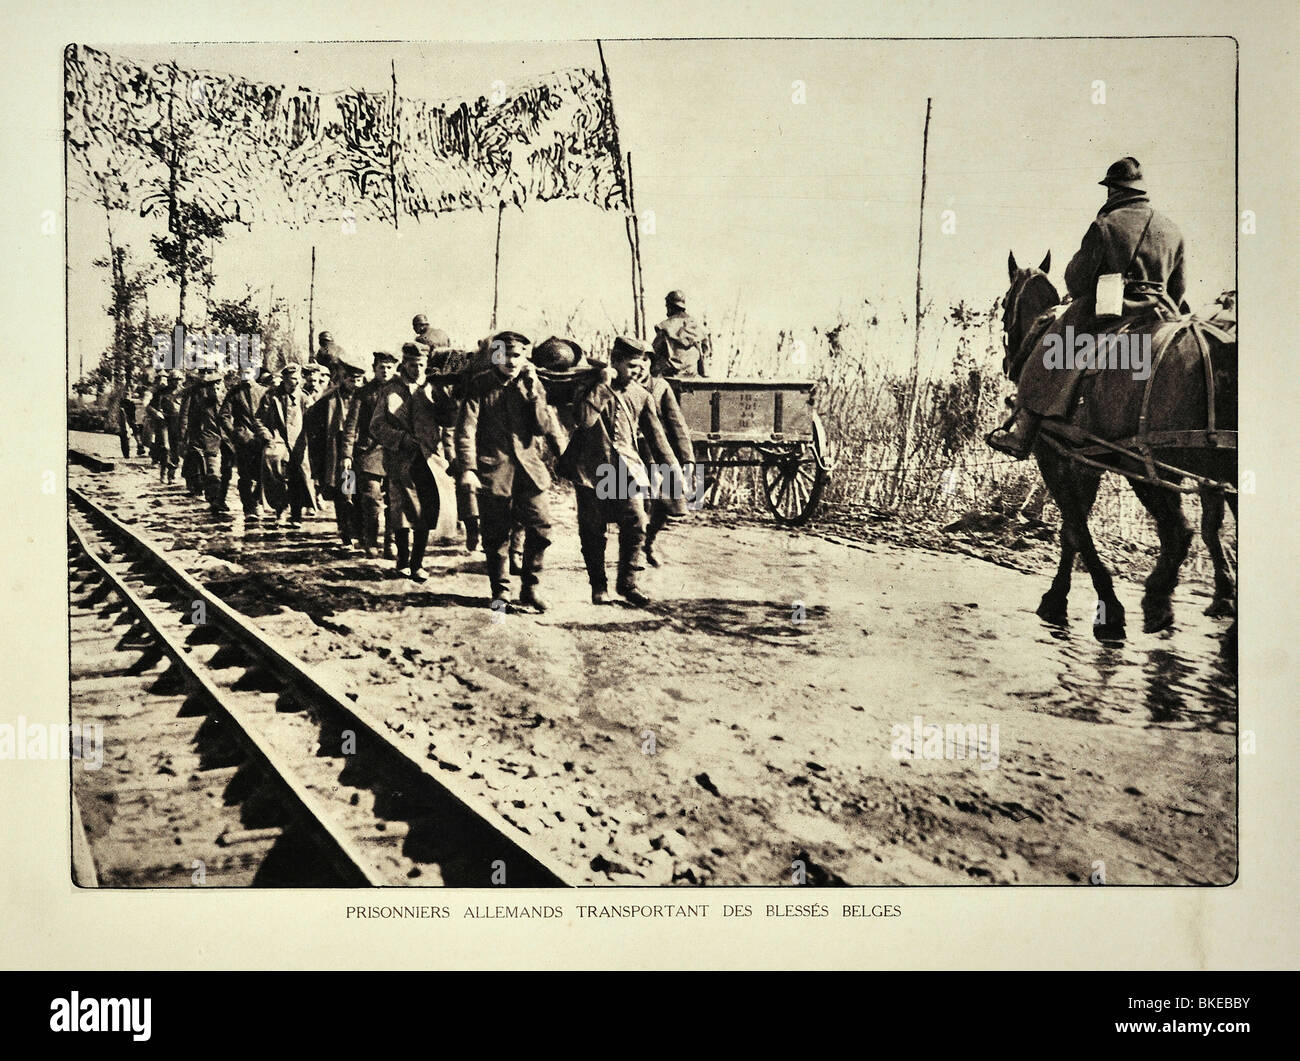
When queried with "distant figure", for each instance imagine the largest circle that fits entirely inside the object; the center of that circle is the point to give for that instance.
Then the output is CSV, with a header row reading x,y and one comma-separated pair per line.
x,y
680,345
130,412
327,351
432,339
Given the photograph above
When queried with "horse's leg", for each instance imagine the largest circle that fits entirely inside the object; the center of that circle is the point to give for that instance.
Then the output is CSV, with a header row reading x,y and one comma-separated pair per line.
x,y
1225,591
1166,507
1054,607
1074,494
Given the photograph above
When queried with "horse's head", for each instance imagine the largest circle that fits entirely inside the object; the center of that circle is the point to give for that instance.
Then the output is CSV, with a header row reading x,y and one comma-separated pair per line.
x,y
1030,295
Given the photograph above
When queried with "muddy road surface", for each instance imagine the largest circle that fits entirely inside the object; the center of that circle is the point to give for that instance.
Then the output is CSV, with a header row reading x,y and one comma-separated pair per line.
x,y
773,712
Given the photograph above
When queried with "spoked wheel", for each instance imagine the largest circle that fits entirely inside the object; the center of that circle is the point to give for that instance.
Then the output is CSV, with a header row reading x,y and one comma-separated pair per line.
x,y
793,485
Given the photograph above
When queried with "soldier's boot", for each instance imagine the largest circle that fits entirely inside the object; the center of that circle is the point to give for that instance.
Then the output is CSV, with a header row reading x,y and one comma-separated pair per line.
x,y
631,538
1016,436
471,533
402,539
533,548
369,534
499,578
216,496
388,543
658,520
419,542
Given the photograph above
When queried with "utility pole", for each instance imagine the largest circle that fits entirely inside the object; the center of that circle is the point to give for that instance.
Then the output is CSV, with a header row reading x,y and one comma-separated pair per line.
x,y
916,343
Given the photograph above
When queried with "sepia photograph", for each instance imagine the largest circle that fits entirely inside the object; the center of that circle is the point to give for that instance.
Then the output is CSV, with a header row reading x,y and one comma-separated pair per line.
x,y
651,463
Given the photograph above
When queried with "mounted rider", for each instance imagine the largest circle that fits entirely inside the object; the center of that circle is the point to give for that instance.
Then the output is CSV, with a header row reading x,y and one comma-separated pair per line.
x,y
1129,272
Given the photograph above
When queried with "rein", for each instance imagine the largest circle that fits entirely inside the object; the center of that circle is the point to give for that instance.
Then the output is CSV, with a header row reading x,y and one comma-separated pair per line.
x,y
1011,319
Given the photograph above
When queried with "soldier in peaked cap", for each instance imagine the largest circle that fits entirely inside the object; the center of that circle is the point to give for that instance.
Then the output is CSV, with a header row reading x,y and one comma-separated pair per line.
x,y
364,455
201,431
500,436
326,350
286,482
323,431
315,378
160,426
605,464
1128,238
680,345
246,434
668,501
407,422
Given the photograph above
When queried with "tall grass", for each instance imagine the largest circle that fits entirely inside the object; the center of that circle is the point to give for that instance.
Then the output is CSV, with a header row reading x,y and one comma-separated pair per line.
x,y
862,366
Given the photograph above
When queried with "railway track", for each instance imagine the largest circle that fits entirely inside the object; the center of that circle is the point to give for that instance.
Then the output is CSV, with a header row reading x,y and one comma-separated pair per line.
x,y
226,762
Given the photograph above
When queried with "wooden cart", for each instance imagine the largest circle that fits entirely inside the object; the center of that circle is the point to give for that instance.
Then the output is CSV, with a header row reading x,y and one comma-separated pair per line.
x,y
741,423
766,423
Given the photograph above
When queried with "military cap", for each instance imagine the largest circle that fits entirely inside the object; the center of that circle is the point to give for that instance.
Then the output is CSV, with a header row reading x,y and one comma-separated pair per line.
x,y
419,321
1126,173
290,369
511,337
385,355
209,375
326,337
626,346
675,298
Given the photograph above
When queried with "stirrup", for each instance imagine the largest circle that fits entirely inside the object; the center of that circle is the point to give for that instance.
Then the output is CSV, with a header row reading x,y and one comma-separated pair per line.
x,y
1005,440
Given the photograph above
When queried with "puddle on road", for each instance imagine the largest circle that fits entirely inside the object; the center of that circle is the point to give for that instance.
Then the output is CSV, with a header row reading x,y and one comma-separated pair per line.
x,y
1175,680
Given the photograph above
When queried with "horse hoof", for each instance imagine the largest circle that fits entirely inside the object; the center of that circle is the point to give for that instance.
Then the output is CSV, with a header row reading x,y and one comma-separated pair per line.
x,y
1109,631
1153,624
1052,611
1221,608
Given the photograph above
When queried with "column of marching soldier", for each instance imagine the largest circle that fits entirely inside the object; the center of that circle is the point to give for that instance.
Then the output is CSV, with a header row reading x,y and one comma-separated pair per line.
x,y
325,432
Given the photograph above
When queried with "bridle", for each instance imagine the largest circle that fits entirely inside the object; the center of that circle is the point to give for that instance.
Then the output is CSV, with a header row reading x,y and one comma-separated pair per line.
x,y
1011,312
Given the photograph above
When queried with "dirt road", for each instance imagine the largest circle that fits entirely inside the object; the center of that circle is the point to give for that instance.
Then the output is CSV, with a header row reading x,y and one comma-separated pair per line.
x,y
768,715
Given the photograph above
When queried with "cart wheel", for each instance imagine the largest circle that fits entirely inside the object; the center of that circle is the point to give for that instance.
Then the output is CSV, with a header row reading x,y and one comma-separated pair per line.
x,y
793,484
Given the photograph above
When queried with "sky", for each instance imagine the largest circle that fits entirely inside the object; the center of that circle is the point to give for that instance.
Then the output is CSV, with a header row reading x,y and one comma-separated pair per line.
x,y
784,213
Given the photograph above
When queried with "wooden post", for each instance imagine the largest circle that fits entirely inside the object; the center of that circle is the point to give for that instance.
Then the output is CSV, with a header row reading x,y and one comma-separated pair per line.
x,y
638,283
496,266
311,306
392,146
629,216
916,342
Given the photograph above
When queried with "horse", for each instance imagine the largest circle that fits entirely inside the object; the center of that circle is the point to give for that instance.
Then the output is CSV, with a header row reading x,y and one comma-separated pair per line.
x,y
1113,411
